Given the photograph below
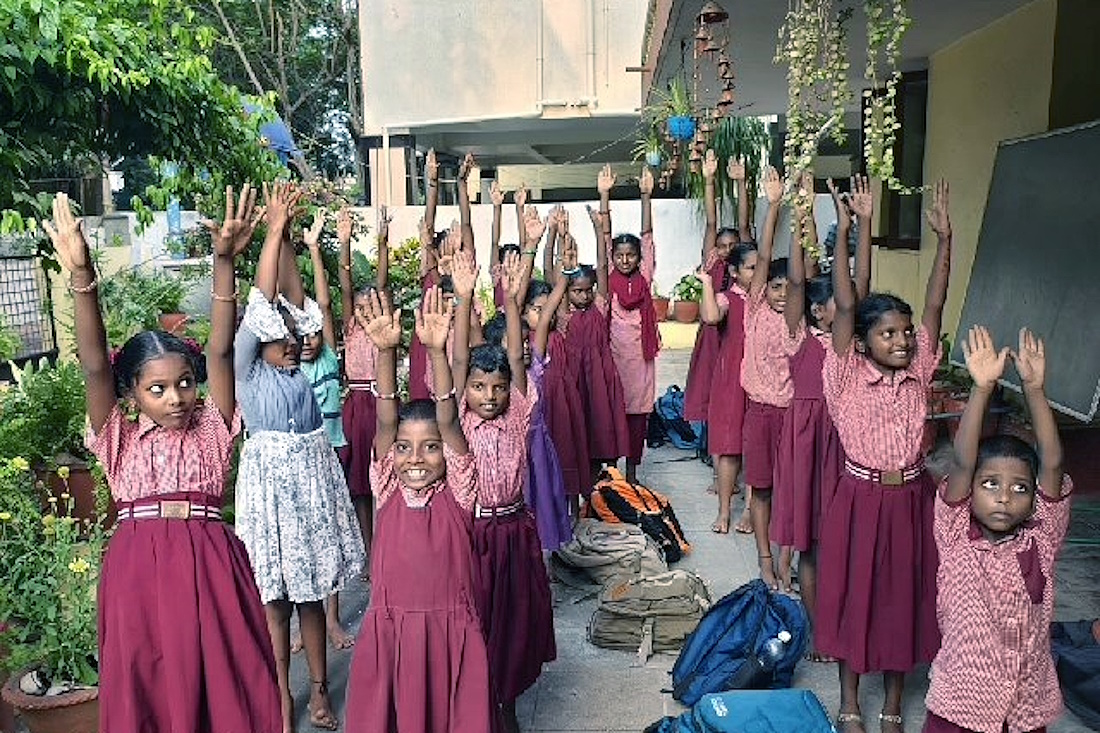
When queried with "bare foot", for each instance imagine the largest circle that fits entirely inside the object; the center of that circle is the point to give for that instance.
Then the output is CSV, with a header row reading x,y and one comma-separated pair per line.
x,y
296,643
320,713
785,570
721,524
713,488
850,722
339,638
767,572
819,658
891,722
744,524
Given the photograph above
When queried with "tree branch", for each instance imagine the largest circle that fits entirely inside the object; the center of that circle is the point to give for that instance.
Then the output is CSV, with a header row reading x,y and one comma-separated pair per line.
x,y
236,44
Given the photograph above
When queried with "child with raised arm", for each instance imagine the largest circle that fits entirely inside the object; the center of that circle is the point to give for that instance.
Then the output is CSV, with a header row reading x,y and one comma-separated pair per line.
x,y
632,321
810,457
167,471
293,510
512,589
1000,519
360,357
876,554
496,251
420,662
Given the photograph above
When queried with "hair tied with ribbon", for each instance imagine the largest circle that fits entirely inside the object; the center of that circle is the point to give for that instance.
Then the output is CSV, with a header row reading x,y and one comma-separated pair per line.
x,y
112,356
194,346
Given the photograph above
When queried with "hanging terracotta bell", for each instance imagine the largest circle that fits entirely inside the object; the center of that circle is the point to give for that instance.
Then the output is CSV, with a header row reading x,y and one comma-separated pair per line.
x,y
712,12
726,99
712,46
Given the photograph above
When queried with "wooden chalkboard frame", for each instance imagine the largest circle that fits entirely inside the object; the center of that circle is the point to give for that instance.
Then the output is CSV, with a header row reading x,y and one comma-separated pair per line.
x,y
1007,221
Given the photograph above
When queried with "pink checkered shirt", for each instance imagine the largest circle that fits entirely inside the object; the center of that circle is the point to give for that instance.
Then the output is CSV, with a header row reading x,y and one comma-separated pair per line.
x,y
994,606
879,418
461,480
143,459
360,353
766,366
500,448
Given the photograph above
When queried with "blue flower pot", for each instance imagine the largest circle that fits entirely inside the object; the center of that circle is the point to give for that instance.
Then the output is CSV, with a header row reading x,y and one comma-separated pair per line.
x,y
681,128
653,158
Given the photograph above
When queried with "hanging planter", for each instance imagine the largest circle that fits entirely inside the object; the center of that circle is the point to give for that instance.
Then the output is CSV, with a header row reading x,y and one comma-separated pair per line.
x,y
653,158
887,22
681,127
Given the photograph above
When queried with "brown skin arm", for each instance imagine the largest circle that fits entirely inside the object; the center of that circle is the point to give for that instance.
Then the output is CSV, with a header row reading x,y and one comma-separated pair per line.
x,y
383,327
794,308
773,187
844,293
710,206
936,295
347,287
1030,359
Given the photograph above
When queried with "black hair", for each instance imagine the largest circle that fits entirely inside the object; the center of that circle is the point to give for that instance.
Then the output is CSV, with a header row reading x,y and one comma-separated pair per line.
x,y
423,410
629,240
494,330
490,359
740,253
145,346
1008,446
875,306
505,249
777,269
588,272
818,291
447,284
729,232
536,289
438,238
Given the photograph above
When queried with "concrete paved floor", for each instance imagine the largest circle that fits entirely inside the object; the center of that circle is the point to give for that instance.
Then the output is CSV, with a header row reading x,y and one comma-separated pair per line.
x,y
591,689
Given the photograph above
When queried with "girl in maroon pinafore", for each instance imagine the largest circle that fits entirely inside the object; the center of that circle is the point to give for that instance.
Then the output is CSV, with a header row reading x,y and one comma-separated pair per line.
x,y
420,662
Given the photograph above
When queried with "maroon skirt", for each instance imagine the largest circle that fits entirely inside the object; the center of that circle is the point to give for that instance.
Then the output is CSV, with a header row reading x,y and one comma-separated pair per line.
x,y
935,724
876,575
565,418
763,426
704,358
183,640
512,592
807,469
360,424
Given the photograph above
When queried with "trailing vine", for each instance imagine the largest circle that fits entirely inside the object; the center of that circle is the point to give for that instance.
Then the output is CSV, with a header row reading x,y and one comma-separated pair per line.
x,y
887,22
813,42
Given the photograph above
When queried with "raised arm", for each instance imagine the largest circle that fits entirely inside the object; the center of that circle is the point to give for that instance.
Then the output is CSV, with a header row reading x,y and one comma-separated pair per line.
x,y
520,197
735,169
773,188
290,277
382,271
431,169
230,240
67,234
795,305
985,364
710,311
553,229
514,287
936,295
1030,361
280,199
497,197
383,327
710,205
322,295
533,229
546,317
347,286
862,204
602,225
645,185
464,275
433,324
844,294
467,230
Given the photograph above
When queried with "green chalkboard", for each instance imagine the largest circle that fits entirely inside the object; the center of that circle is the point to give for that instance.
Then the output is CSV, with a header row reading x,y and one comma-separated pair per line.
x,y
1038,260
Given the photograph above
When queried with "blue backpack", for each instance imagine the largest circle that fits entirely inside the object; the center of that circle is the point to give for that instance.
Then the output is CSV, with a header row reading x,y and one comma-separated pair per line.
x,y
735,628
667,423
751,711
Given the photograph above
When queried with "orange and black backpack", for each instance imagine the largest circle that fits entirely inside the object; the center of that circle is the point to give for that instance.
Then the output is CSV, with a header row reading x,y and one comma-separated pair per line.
x,y
614,499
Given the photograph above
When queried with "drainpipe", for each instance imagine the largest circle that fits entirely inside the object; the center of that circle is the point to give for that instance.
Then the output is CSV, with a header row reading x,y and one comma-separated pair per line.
x,y
539,59
590,50
386,176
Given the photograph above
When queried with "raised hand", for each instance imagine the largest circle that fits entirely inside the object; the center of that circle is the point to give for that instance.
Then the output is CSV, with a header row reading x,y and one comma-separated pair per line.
x,y
281,202
840,201
344,225
433,320
235,232
563,220
512,272
380,322
735,169
464,274
431,166
520,196
938,217
605,181
710,165
861,202
533,226
466,166
385,216
496,194
984,362
1030,359
425,233
67,234
704,276
645,181
773,185
554,217
595,215
312,235
569,253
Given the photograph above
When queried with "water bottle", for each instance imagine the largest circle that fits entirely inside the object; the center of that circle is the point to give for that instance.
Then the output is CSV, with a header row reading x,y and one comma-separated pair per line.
x,y
757,670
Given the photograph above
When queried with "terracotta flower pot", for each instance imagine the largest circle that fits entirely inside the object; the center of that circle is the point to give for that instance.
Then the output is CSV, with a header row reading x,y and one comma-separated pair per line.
x,y
685,311
81,486
69,712
173,322
660,307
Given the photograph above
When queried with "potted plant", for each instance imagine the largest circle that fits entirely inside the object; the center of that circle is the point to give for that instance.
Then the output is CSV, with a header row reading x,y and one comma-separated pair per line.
x,y
677,110
650,148
660,304
49,571
136,300
10,343
688,292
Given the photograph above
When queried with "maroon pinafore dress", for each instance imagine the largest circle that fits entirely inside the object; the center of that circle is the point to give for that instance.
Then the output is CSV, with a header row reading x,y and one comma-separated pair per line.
x,y
704,358
725,416
565,417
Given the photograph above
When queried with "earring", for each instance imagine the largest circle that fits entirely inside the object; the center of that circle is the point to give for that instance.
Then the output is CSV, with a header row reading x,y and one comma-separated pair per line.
x,y
130,409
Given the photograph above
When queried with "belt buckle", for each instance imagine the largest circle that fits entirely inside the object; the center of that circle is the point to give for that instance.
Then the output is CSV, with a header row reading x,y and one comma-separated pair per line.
x,y
891,478
175,509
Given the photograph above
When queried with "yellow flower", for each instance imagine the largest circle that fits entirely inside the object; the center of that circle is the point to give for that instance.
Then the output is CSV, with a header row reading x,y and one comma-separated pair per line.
x,y
79,566
19,464
5,516
48,520
63,472
68,521
65,496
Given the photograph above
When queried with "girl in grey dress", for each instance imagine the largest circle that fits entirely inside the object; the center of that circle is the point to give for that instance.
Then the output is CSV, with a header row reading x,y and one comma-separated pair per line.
x,y
293,512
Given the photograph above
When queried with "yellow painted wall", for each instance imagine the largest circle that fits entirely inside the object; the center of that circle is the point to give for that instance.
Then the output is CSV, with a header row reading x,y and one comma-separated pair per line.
x,y
991,85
